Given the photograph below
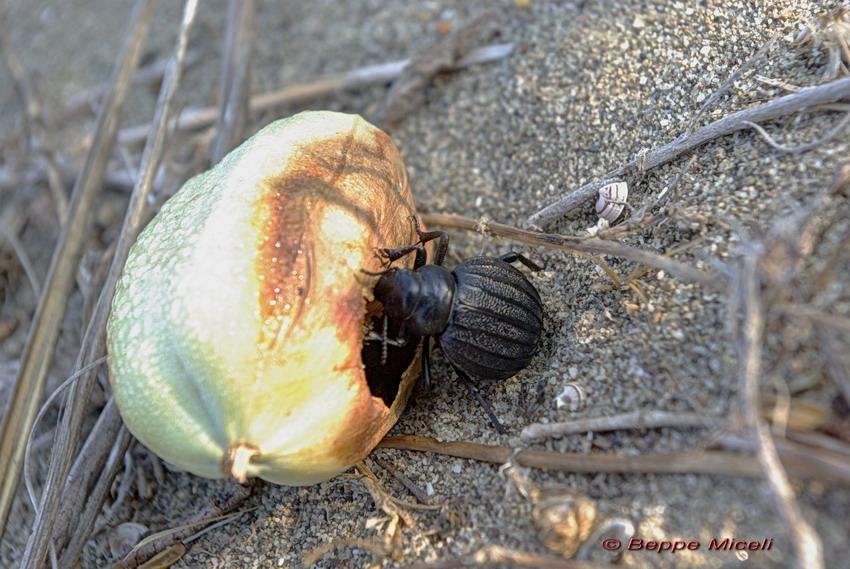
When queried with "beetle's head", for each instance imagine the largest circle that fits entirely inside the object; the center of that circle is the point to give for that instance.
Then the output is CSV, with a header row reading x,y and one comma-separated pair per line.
x,y
398,290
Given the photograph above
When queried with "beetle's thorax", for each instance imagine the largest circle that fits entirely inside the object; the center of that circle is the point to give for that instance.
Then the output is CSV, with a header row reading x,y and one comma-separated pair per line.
x,y
421,299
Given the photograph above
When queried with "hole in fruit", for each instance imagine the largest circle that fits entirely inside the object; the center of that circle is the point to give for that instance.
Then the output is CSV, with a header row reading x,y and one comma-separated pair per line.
x,y
384,379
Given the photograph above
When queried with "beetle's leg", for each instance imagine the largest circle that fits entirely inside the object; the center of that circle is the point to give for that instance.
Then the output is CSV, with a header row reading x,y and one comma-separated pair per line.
x,y
426,362
513,257
396,254
402,338
425,236
474,391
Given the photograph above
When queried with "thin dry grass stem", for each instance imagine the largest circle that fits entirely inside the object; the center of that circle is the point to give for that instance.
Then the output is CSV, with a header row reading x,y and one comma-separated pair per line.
x,y
803,462
90,100
644,419
771,82
23,258
214,522
771,282
398,518
491,555
93,340
771,271
406,91
573,244
194,119
31,441
734,77
234,98
88,481
827,93
832,133
837,368
824,442
807,545
316,554
85,519
33,171
417,492
34,128
707,462
600,262
387,503
212,512
38,352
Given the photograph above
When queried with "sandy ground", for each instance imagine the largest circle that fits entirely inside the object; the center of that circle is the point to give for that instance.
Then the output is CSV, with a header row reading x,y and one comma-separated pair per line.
x,y
589,85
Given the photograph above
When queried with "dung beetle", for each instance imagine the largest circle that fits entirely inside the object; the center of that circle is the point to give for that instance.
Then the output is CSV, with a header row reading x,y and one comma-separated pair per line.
x,y
485,315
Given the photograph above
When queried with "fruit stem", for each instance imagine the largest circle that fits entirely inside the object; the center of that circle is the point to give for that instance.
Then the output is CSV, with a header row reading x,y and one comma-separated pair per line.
x,y
236,460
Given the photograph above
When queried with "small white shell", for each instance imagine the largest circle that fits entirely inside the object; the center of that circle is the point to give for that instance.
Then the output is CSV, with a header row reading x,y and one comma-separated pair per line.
x,y
124,537
611,201
572,397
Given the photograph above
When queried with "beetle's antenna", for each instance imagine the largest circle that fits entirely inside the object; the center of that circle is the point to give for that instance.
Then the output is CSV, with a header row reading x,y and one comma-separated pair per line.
x,y
384,341
474,391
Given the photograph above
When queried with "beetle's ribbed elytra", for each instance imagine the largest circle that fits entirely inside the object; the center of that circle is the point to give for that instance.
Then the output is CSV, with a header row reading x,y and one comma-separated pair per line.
x,y
485,315
496,319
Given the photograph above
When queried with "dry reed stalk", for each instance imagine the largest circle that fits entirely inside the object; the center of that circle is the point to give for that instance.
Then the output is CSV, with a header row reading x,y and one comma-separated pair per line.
x,y
38,352
73,530
193,119
234,98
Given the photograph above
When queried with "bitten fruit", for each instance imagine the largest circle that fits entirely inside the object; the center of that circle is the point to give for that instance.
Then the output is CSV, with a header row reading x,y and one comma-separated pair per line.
x,y
236,333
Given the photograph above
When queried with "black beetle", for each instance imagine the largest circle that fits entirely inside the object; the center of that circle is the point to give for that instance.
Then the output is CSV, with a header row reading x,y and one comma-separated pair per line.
x,y
485,315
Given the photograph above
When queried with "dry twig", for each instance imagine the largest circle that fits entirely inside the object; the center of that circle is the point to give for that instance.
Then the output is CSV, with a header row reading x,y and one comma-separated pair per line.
x,y
827,93
806,542
573,244
417,492
193,119
647,419
734,77
211,512
832,133
406,91
235,78
772,273
801,461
